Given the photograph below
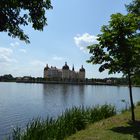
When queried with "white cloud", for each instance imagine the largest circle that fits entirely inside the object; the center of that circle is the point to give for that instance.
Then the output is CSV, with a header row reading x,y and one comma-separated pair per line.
x,y
4,59
22,50
7,60
6,51
82,41
57,58
14,45
6,55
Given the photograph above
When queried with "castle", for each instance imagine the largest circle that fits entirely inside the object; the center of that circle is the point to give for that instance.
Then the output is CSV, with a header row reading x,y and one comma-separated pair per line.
x,y
53,73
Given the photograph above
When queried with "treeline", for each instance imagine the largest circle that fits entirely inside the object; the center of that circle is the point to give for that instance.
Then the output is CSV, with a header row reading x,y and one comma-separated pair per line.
x,y
111,81
7,78
10,78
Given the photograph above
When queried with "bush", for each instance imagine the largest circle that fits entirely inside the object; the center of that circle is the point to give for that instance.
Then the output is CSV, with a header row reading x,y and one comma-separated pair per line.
x,y
138,103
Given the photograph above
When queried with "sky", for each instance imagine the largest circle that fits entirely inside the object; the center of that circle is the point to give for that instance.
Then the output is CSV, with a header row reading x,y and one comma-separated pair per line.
x,y
72,25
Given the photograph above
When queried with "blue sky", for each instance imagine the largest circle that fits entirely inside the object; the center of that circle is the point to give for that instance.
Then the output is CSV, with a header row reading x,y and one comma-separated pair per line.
x,y
72,25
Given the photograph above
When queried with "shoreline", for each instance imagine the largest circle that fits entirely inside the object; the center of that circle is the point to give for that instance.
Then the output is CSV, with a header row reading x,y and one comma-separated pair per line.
x,y
69,83
66,82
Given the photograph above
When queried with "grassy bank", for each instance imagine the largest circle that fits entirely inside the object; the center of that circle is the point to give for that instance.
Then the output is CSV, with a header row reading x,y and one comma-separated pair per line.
x,y
118,127
70,122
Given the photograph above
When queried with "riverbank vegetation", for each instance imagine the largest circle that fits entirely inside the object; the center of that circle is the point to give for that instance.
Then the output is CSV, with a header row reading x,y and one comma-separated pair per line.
x,y
71,121
118,127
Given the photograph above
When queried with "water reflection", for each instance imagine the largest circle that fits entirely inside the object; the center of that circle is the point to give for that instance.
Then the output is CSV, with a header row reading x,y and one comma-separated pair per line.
x,y
65,96
82,94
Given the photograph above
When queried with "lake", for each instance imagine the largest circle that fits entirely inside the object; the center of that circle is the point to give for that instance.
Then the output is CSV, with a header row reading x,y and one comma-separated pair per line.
x,y
21,102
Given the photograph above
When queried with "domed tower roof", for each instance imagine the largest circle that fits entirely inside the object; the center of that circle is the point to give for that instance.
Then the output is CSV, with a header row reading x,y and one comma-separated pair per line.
x,y
82,69
46,68
65,67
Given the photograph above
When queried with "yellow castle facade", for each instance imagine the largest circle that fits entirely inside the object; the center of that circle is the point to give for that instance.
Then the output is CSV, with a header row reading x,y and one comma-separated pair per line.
x,y
64,74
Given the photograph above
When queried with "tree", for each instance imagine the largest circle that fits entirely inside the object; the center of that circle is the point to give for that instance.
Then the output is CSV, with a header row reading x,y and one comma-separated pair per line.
x,y
118,49
134,7
136,79
15,14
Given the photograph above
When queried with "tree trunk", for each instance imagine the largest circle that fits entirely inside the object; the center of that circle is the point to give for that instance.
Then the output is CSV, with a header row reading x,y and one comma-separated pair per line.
x,y
131,98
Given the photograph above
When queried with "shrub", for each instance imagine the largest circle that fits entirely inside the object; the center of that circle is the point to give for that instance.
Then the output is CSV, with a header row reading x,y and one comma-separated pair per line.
x,y
138,103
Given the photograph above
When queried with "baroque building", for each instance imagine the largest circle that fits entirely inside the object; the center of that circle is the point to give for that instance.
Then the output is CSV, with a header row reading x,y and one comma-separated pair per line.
x,y
65,73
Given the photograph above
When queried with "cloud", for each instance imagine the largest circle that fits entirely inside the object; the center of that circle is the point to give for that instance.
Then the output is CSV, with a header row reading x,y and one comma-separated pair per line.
x,y
82,41
6,55
14,45
22,50
7,60
57,58
6,51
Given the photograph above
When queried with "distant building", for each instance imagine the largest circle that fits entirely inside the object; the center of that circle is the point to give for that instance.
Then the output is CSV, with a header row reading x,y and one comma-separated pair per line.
x,y
65,73
82,73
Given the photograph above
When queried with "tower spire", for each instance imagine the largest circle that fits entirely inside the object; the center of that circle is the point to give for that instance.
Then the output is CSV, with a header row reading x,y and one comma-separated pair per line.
x,y
73,68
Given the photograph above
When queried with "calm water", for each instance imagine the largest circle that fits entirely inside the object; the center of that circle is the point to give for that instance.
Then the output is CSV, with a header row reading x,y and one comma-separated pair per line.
x,y
20,102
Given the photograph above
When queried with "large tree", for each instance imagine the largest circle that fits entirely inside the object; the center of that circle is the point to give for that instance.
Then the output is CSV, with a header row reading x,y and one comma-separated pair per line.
x,y
118,49
134,7
14,14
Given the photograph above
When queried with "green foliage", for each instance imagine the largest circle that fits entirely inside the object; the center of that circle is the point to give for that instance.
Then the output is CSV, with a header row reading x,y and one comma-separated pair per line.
x,y
134,7
138,103
118,127
17,13
118,49
71,121
136,79
119,45
6,77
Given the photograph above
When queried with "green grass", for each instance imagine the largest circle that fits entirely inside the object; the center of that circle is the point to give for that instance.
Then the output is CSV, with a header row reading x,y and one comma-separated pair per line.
x,y
118,127
70,122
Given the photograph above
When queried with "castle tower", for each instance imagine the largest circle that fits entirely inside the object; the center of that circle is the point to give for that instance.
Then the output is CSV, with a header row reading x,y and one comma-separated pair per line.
x,y
46,71
72,73
82,73
65,71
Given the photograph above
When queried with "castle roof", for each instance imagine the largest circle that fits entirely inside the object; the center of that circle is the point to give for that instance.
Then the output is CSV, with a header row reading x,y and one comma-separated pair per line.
x,y
65,67
46,68
82,69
